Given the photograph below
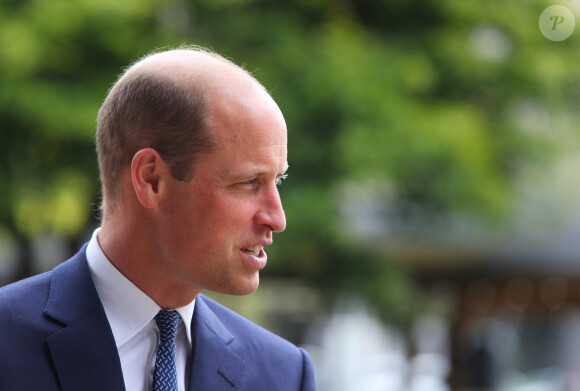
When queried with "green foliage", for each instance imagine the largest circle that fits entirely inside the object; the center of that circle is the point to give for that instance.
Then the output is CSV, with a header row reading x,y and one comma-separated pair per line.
x,y
58,206
429,96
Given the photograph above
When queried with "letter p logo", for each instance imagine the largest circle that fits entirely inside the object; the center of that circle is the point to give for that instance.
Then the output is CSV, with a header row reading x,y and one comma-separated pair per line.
x,y
557,23
558,19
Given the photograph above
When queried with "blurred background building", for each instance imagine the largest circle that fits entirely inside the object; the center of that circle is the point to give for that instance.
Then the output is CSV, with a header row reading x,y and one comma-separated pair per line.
x,y
433,203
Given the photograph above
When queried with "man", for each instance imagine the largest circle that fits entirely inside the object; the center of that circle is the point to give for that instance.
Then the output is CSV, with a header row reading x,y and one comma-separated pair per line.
x,y
191,150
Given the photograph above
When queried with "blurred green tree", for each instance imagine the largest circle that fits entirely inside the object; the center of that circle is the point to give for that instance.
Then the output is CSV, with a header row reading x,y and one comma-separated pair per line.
x,y
437,99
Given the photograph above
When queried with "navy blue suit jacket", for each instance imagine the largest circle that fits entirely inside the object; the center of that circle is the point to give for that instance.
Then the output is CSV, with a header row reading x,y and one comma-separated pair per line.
x,y
54,335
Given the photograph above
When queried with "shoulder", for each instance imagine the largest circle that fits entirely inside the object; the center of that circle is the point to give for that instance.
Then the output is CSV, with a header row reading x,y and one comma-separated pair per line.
x,y
22,321
29,297
244,329
34,290
27,292
278,358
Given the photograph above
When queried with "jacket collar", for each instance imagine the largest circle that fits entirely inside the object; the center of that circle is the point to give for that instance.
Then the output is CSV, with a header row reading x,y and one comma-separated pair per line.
x,y
83,351
215,365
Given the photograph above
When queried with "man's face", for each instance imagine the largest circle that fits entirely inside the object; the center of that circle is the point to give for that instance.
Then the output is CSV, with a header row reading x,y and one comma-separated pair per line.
x,y
216,225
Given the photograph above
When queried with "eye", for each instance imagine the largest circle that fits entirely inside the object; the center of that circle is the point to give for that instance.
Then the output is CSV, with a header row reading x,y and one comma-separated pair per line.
x,y
249,182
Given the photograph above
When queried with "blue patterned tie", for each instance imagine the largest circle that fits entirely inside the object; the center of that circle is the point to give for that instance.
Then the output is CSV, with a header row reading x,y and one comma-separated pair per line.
x,y
165,373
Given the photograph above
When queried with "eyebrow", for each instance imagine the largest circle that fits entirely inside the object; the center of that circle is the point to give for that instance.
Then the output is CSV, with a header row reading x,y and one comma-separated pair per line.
x,y
285,170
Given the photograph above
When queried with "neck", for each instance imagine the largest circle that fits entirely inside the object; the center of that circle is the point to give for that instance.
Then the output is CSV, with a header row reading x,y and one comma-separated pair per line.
x,y
133,252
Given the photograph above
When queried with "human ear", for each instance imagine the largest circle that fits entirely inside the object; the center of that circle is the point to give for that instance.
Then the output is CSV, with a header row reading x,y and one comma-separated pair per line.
x,y
147,170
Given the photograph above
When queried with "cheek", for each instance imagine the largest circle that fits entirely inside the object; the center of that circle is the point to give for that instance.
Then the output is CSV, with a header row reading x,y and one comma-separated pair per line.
x,y
211,221
231,211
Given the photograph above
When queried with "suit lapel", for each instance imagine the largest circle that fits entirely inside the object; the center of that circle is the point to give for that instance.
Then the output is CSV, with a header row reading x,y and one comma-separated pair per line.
x,y
83,351
214,365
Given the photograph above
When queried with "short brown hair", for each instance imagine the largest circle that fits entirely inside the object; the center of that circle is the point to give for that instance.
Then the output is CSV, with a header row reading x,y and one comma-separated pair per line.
x,y
148,109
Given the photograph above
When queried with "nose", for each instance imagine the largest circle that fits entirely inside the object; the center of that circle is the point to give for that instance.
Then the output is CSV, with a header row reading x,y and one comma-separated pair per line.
x,y
271,212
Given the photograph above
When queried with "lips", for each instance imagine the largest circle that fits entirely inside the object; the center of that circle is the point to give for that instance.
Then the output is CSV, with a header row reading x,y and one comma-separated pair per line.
x,y
254,250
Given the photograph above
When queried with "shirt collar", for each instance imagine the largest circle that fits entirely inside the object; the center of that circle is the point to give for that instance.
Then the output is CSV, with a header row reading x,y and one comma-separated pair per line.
x,y
128,308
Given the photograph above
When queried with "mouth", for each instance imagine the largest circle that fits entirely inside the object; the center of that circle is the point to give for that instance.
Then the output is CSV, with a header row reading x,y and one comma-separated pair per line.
x,y
254,250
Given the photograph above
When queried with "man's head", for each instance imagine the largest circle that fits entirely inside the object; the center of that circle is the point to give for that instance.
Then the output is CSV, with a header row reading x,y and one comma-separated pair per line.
x,y
151,107
191,150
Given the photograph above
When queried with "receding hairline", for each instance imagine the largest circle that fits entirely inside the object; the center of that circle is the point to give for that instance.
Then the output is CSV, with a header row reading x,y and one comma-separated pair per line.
x,y
189,65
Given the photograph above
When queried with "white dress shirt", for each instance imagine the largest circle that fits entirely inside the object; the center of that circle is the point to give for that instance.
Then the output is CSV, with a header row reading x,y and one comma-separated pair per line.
x,y
131,315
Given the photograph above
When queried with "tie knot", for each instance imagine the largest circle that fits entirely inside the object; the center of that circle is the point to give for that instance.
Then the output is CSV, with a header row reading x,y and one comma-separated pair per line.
x,y
167,322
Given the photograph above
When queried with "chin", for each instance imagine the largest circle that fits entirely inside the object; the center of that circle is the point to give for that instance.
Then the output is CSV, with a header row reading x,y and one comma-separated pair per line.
x,y
242,288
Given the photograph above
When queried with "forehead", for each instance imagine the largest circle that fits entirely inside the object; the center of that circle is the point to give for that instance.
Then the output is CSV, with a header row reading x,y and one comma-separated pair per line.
x,y
241,112
252,150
